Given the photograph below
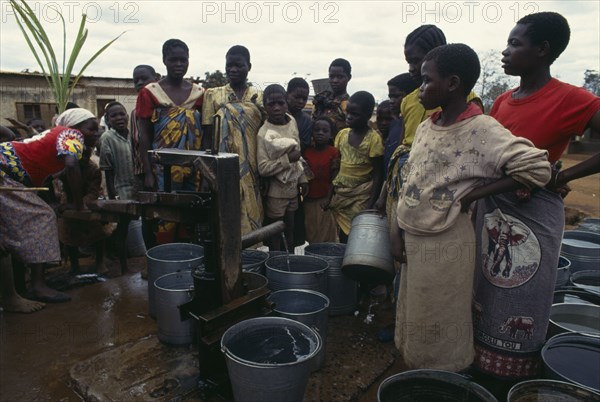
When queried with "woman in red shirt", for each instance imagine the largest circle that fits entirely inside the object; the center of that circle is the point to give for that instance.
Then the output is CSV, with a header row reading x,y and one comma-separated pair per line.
x,y
28,226
519,233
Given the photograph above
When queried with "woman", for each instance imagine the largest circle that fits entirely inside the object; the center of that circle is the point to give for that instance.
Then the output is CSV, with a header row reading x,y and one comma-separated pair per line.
x,y
519,233
240,108
28,226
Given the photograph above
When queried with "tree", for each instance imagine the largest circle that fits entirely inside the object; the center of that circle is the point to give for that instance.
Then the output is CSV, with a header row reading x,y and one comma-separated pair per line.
x,y
591,81
59,79
492,82
212,80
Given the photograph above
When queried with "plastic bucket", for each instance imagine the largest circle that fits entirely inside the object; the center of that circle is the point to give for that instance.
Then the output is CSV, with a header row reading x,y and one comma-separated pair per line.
x,y
549,390
563,273
173,290
574,318
135,239
269,358
168,258
297,272
582,248
254,261
574,358
368,255
431,385
341,290
308,307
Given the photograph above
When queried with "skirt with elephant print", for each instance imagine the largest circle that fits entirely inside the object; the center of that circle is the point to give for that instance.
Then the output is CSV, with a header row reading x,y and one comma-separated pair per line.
x,y
518,246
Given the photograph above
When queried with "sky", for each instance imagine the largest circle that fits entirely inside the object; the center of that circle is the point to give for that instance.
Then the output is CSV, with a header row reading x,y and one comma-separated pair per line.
x,y
292,38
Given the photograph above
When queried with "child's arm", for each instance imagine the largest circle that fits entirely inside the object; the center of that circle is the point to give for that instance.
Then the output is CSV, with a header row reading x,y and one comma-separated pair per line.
x,y
380,204
377,180
334,169
109,176
268,167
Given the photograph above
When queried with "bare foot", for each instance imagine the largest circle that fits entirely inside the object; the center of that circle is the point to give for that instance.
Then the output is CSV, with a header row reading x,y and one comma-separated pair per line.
x,y
18,304
144,273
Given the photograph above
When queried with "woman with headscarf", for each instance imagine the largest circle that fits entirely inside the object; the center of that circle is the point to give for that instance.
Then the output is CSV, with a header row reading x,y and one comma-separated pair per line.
x,y
28,227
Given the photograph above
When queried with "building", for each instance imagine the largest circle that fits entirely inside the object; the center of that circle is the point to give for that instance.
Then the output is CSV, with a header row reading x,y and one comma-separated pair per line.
x,y
25,96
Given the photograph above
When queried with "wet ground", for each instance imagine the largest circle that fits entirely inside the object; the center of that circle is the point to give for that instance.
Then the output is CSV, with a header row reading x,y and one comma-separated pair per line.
x,y
103,346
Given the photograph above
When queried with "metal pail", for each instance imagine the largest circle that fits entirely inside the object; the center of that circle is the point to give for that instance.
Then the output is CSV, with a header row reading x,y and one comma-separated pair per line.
x,y
269,358
549,390
254,261
368,255
308,307
173,290
168,258
431,385
341,290
297,272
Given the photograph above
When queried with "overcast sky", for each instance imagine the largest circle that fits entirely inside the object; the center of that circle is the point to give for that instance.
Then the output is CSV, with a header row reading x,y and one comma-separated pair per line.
x,y
294,38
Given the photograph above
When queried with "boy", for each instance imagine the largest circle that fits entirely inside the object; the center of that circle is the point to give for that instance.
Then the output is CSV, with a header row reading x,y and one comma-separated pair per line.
x,y
398,87
436,290
142,76
278,157
297,96
332,104
385,118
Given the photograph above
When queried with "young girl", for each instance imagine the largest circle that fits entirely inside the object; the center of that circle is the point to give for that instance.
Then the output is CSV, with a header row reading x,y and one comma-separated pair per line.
x,y
548,113
324,162
453,152
358,183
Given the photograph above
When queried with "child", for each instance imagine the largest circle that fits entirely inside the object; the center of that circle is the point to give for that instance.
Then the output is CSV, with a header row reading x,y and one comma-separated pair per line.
x,y
358,182
454,151
398,87
241,110
117,164
385,118
297,96
324,161
278,157
142,76
549,113
332,104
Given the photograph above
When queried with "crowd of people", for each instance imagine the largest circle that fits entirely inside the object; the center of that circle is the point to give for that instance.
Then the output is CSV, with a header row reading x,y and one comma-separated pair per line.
x,y
446,175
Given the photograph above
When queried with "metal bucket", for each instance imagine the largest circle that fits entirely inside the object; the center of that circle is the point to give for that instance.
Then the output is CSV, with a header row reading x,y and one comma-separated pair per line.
x,y
431,385
582,249
574,358
563,273
168,258
549,390
307,307
173,290
297,272
251,281
588,281
575,296
368,255
269,358
254,261
574,318
341,290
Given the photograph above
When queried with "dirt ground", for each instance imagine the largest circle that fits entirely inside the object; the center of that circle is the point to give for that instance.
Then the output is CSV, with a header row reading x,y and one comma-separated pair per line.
x,y
584,199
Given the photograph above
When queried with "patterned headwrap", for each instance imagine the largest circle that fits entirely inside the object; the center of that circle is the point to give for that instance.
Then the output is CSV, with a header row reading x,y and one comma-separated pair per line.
x,y
73,117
